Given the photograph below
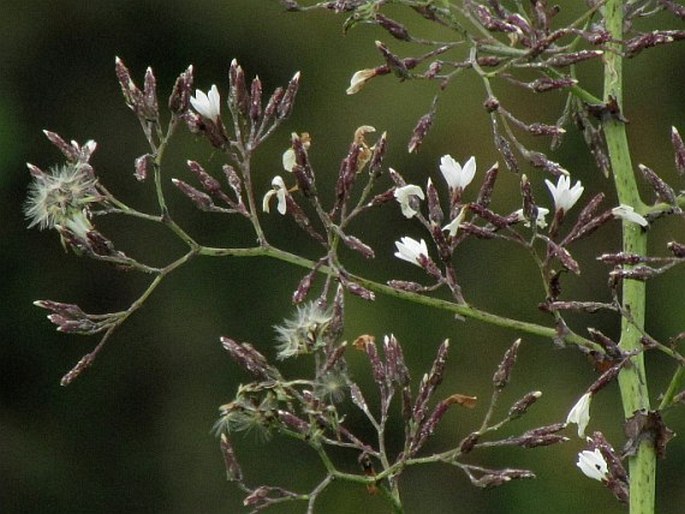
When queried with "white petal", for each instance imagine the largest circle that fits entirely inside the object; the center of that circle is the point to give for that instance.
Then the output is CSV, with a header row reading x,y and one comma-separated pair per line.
x,y
403,196
359,79
627,213
289,159
580,414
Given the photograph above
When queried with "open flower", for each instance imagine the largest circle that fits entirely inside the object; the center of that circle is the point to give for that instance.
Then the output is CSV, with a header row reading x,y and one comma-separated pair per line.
x,y
627,213
540,221
580,413
360,78
563,194
593,464
410,250
404,195
279,190
457,177
208,105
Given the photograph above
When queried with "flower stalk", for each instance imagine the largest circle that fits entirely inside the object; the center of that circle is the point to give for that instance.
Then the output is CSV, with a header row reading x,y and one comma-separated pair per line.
x,y
632,380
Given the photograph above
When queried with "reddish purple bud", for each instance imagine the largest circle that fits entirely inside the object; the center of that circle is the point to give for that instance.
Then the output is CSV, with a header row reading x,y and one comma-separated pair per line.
x,y
544,84
358,246
679,148
201,200
379,150
256,100
303,287
238,97
396,30
501,377
573,58
272,105
504,148
663,191
421,129
142,165
564,256
488,185
132,95
521,406
285,108
181,92
150,95
209,183
396,64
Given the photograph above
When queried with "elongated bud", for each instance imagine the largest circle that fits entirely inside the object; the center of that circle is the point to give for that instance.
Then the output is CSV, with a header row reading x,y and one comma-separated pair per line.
x,y
238,97
521,406
379,150
488,185
679,148
393,61
421,129
663,191
256,100
181,92
396,29
286,106
132,95
573,58
545,84
201,200
501,377
150,95
141,165
678,249
209,183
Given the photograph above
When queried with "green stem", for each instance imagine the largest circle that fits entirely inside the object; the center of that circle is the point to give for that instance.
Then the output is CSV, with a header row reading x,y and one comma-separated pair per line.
x,y
463,310
632,380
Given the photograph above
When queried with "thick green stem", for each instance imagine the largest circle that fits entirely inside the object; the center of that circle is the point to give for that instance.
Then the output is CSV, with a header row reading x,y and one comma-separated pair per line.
x,y
632,380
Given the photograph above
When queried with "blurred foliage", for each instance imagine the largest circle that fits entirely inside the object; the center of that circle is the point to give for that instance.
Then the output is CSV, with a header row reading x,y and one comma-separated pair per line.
x,y
133,434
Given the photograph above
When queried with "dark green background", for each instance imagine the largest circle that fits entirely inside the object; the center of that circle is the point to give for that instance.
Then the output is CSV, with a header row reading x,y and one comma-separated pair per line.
x,y
133,434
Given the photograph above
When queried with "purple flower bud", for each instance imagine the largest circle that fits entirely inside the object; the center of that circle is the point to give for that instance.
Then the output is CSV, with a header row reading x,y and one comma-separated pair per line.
x,y
679,148
421,129
179,99
201,200
256,100
396,30
663,191
209,183
286,106
501,377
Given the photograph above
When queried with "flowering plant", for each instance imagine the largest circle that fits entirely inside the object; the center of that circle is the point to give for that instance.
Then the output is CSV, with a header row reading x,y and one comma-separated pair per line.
x,y
316,408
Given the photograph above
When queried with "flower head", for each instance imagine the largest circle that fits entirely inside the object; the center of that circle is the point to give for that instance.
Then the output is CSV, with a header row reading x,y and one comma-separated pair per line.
x,y
304,333
279,190
593,464
627,213
457,177
404,196
61,198
580,413
360,78
208,105
563,194
411,250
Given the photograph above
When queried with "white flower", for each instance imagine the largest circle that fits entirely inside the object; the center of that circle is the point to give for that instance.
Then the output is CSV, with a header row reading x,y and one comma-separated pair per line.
x,y
592,464
453,226
563,194
208,105
403,196
457,177
540,220
580,414
627,213
278,189
410,250
359,79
